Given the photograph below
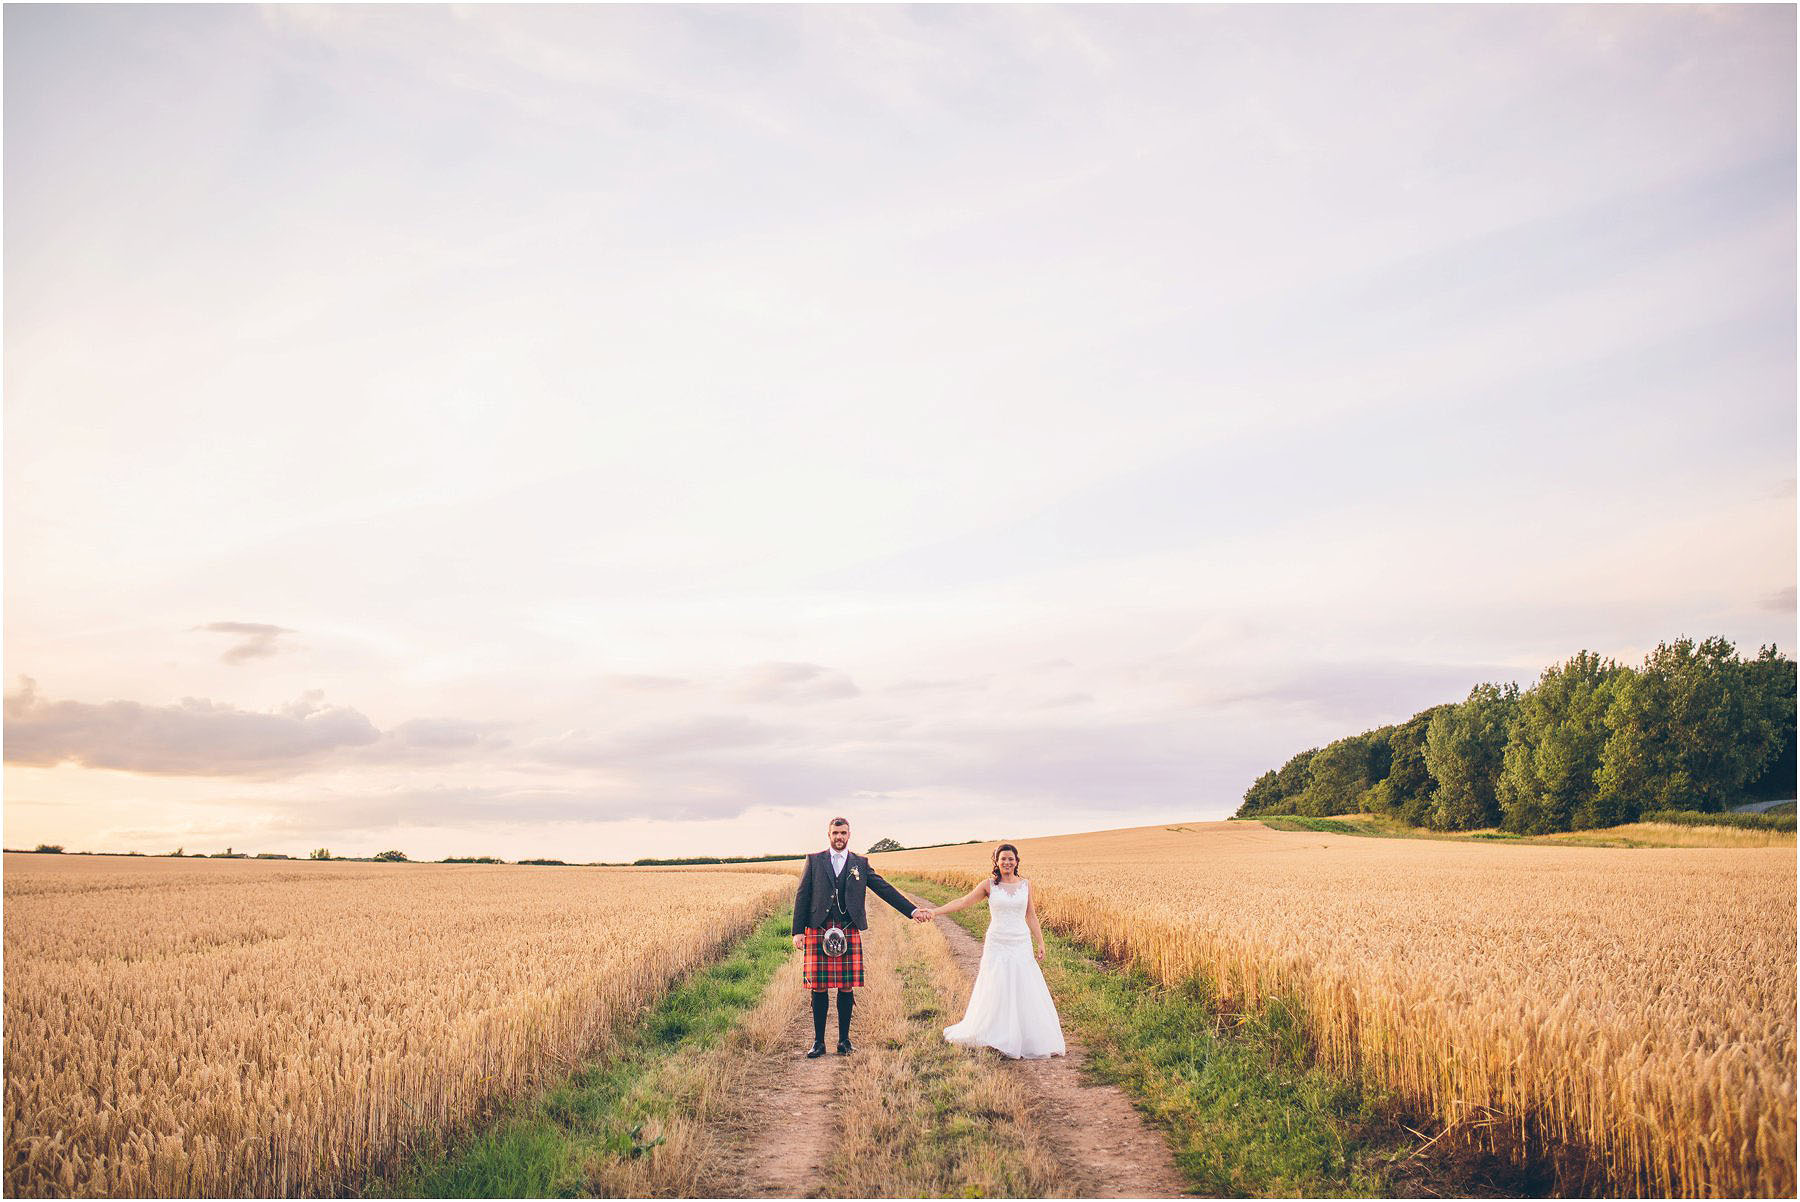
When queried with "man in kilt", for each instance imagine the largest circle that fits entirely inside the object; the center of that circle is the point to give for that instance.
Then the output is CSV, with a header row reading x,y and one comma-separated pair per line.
x,y
830,899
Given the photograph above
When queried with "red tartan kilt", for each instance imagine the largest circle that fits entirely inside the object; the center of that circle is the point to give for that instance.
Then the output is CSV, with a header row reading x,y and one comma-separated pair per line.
x,y
819,971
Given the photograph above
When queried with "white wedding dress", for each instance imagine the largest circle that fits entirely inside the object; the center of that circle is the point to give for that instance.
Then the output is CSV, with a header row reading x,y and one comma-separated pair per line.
x,y
1010,1008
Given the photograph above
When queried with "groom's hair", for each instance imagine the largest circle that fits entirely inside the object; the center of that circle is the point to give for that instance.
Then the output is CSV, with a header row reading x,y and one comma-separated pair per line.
x,y
837,822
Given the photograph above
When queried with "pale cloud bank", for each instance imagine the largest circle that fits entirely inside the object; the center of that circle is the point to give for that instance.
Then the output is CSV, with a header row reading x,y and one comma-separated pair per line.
x,y
1130,741
193,737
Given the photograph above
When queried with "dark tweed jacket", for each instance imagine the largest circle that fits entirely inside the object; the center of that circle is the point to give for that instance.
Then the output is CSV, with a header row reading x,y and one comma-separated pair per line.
x,y
812,900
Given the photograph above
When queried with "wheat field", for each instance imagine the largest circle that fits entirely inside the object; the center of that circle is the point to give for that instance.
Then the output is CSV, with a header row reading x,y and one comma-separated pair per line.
x,y
1639,1003
242,1028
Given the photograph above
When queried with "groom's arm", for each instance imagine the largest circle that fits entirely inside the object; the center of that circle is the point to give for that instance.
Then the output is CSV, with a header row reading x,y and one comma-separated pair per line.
x,y
803,899
889,894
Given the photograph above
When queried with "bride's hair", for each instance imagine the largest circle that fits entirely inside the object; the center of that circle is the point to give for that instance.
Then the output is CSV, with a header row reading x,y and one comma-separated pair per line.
x,y
1016,860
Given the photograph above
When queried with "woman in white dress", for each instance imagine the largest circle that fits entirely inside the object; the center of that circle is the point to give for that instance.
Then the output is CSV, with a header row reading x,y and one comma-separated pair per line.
x,y
1010,1008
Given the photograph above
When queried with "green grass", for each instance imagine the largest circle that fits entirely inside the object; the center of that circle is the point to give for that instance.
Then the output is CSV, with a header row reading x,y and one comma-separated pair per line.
x,y
1776,818
1388,828
1367,827
538,1147
1245,1112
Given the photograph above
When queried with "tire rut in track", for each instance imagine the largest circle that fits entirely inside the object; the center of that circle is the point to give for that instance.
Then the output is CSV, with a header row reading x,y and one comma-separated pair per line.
x,y
791,1121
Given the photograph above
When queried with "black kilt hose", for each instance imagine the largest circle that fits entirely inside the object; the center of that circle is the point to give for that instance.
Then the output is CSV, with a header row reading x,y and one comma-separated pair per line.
x,y
819,971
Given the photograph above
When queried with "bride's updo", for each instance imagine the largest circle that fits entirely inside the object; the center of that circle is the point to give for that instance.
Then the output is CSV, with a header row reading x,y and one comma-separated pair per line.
x,y
1016,860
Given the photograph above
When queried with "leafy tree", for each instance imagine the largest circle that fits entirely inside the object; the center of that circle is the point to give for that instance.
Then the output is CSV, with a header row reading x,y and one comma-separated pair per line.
x,y
320,853
1282,794
1342,772
1295,778
394,856
1592,743
1464,746
1262,797
1773,675
1692,728
885,845
1552,757
1405,792
53,849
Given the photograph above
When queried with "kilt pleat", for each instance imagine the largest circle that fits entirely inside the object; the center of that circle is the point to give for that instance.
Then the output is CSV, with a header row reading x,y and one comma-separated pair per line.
x,y
819,971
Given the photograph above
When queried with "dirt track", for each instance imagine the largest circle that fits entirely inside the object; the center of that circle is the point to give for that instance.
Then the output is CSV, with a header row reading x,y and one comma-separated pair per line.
x,y
786,1131
1106,1147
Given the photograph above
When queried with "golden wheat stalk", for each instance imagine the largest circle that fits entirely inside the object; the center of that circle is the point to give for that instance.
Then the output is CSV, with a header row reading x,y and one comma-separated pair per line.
x,y
244,1028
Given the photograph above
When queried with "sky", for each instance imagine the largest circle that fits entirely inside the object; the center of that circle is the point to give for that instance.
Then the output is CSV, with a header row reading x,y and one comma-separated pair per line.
x,y
615,431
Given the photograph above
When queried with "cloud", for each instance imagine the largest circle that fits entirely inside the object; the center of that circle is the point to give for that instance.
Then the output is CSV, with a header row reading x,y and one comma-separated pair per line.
x,y
469,806
193,737
642,683
792,684
949,684
258,641
444,734
1092,763
1781,601
695,735
1372,693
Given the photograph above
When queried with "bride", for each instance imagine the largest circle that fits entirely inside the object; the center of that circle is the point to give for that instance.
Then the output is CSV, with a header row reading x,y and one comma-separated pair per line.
x,y
1010,1008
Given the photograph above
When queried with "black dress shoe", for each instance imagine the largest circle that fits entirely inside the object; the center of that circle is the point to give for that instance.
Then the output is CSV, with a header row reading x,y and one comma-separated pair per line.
x,y
844,1048
818,1050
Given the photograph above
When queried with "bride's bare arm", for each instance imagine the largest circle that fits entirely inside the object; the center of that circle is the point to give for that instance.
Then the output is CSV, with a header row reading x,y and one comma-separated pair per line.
x,y
968,899
1031,920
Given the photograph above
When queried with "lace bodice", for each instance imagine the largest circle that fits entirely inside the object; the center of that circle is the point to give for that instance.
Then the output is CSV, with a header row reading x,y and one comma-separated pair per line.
x,y
1006,911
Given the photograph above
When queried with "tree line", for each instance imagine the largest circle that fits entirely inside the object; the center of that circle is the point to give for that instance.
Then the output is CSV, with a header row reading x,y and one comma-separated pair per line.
x,y
1593,743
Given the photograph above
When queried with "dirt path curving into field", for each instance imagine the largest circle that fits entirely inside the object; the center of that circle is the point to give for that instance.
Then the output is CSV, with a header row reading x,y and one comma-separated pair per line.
x,y
782,1135
1105,1146
782,1151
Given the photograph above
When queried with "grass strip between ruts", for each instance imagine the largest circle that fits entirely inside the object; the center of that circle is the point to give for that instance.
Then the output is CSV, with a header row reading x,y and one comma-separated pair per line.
x,y
1245,1113
919,1117
540,1146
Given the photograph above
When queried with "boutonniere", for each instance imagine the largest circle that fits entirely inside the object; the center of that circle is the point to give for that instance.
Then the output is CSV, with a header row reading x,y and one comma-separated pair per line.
x,y
857,873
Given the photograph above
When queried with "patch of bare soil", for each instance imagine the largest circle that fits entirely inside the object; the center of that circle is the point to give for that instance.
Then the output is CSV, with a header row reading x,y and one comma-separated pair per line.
x,y
790,1121
1106,1147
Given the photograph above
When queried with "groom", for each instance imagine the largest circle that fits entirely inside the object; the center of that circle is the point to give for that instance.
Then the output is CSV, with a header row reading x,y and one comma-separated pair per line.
x,y
832,888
